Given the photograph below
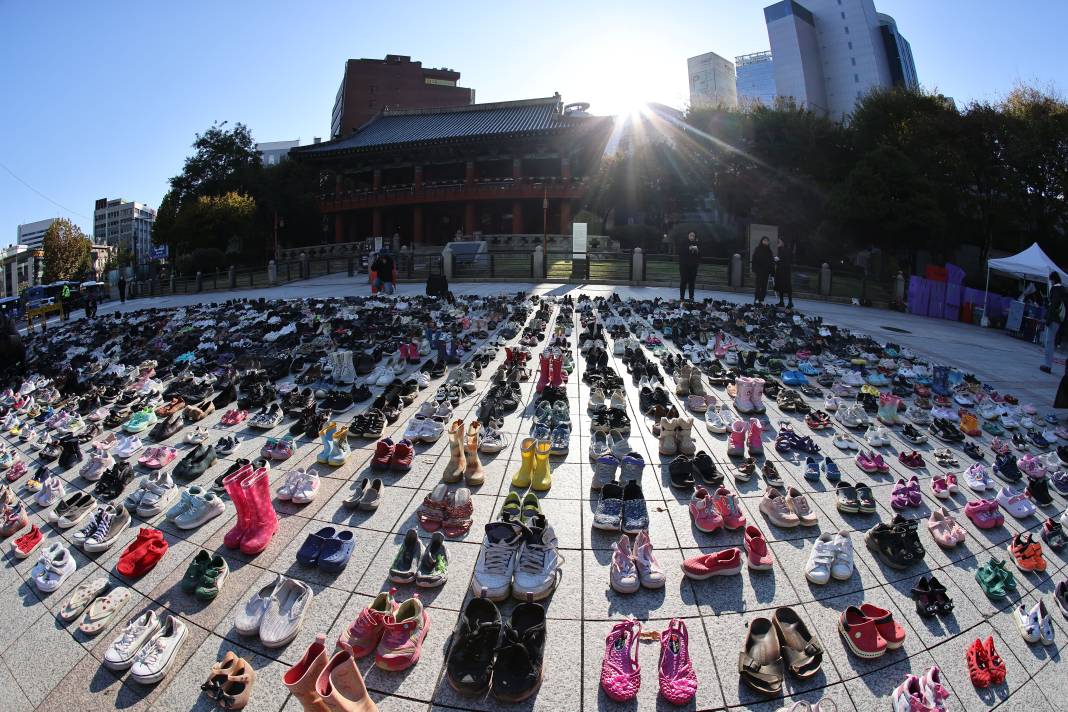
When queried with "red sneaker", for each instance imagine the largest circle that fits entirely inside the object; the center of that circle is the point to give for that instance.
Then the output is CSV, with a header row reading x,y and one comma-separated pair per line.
x,y
890,630
719,563
860,634
757,554
28,542
402,456
383,454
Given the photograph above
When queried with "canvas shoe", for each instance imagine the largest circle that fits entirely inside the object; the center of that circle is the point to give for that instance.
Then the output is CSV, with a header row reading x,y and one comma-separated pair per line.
x,y
200,509
623,574
123,651
156,657
726,562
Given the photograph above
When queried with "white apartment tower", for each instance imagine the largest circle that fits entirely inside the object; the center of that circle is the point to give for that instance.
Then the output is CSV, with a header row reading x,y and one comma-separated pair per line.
x,y
830,53
712,81
122,223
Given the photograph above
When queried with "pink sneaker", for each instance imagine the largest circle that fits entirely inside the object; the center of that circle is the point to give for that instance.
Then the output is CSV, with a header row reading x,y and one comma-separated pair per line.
x,y
363,636
756,550
1031,466
402,639
940,487
678,681
736,439
754,436
914,494
621,673
703,511
727,505
984,513
866,462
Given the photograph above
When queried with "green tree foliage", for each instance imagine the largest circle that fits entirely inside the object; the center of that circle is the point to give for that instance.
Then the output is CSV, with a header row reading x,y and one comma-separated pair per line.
x,y
66,251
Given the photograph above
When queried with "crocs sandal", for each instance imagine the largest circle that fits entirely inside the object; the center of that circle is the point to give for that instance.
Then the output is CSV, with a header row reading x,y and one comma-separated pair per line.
x,y
990,580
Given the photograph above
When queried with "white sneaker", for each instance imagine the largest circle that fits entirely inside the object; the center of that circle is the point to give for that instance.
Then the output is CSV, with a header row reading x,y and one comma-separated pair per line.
x,y
820,559
201,508
158,654
844,442
842,568
123,650
537,568
496,561
54,567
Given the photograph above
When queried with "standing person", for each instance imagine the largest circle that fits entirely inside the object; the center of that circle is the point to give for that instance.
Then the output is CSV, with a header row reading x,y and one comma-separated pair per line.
x,y
762,262
90,302
1055,308
12,350
122,288
384,267
784,264
689,261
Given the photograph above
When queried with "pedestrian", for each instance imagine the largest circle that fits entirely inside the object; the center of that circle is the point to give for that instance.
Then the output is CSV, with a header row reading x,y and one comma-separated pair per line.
x,y
90,303
689,261
1055,308
122,288
784,282
385,272
12,350
762,263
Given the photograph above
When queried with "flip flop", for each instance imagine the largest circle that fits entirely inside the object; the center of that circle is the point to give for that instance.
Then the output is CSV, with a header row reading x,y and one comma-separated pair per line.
x,y
102,609
85,593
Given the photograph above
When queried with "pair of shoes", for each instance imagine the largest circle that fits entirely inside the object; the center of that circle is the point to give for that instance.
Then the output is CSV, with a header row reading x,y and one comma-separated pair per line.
x,y
147,646
896,544
300,486
104,527
710,511
787,511
906,494
634,566
744,435
1034,623
366,496
534,471
278,449
276,612
855,499
425,428
869,631
250,491
774,645
1027,553
142,554
318,679
831,557
487,654
336,448
931,597
393,632
725,562
621,508
427,568
98,604
196,506
944,529
449,511
55,565
985,666
984,513
925,692
621,671
518,559
328,549
205,575
393,456
464,463
995,580
676,437
230,682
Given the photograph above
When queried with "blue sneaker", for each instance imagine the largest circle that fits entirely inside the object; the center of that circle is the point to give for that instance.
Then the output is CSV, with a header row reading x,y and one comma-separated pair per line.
x,y
812,469
830,469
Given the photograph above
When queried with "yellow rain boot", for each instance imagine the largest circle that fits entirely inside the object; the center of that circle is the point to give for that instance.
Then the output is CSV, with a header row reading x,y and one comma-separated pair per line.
x,y
473,474
521,478
454,471
541,480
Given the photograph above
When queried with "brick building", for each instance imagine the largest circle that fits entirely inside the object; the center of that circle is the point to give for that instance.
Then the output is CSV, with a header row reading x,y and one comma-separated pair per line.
x,y
396,82
427,173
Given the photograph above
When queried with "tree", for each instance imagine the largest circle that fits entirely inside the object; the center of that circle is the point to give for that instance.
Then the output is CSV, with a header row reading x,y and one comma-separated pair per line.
x,y
66,251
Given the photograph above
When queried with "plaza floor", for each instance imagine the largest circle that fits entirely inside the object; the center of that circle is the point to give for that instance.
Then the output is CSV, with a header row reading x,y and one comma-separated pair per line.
x,y
46,664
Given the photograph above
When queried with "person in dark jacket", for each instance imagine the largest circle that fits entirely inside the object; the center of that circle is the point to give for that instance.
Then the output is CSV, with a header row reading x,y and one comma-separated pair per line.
x,y
762,263
122,289
1055,305
12,350
784,282
383,268
689,261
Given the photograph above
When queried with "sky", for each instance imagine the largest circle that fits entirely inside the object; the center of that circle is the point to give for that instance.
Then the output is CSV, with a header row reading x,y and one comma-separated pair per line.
x,y
104,99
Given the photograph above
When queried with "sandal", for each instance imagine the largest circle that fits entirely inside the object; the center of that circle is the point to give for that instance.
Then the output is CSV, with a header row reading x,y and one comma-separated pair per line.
x,y
990,580
924,598
458,510
102,609
431,512
800,649
238,686
760,664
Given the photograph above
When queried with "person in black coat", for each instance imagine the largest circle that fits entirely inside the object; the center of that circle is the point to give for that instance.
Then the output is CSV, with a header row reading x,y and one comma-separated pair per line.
x,y
784,264
762,262
689,260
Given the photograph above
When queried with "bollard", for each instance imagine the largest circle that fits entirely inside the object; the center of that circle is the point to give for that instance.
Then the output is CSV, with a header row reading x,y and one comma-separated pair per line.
x,y
735,271
304,273
232,277
172,283
447,262
899,287
352,266
200,282
272,273
637,265
825,279
539,263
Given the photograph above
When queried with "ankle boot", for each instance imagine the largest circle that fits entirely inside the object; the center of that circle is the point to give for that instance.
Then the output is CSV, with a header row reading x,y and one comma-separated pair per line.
x,y
684,436
71,453
348,369
473,473
682,380
668,445
232,485
326,437
521,478
543,374
541,479
454,471
264,521
755,437
556,371
340,685
743,393
301,678
756,394
341,450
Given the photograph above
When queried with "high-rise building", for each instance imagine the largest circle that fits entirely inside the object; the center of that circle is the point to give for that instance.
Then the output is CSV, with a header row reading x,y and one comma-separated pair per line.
x,y
712,81
396,82
830,53
32,234
756,78
124,224
274,152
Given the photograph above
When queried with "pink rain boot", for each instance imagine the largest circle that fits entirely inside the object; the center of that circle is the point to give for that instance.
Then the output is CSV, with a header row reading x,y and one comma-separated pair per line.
x,y
264,522
756,394
736,439
743,391
234,488
621,673
557,377
678,681
755,435
543,374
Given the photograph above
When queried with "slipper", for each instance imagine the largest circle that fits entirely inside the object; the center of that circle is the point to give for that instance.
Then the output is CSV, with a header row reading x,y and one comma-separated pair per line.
x,y
102,609
85,593
431,512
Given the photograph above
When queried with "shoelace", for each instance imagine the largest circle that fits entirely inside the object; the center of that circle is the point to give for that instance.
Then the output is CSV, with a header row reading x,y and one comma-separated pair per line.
x,y
498,555
151,652
129,635
532,558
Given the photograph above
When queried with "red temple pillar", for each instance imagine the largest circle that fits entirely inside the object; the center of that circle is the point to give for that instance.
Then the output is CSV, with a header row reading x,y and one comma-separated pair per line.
x,y
376,222
565,217
377,185
417,225
565,168
470,217
517,217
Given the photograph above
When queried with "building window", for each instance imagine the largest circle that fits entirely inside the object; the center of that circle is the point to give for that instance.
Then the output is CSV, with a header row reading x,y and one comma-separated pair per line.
x,y
850,43
847,29
856,79
854,60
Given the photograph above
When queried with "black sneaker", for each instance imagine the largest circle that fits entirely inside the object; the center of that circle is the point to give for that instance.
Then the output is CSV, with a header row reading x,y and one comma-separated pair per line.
x,y
217,486
361,393
681,472
469,663
972,450
706,469
1038,491
517,671
70,452
1005,468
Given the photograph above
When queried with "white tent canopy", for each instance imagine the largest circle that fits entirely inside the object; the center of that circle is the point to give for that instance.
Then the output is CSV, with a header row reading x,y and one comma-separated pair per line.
x,y
1032,263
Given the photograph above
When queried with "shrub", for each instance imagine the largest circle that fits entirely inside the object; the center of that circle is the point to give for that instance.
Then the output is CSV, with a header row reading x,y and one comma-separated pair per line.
x,y
646,237
208,259
594,225
716,240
